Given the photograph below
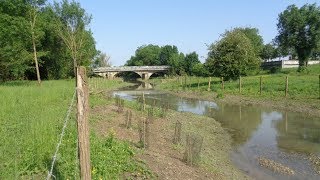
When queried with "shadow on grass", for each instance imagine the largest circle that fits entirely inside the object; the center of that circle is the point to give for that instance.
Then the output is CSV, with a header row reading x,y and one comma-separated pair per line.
x,y
17,83
55,172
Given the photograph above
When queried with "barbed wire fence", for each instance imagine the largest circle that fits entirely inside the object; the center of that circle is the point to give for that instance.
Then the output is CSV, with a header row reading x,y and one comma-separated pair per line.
x,y
67,117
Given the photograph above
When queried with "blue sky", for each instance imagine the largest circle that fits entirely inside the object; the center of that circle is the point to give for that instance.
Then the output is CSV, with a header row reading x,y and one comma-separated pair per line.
x,y
120,26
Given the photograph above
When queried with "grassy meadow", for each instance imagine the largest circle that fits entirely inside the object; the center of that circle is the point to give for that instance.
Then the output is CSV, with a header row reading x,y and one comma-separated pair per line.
x,y
31,120
301,86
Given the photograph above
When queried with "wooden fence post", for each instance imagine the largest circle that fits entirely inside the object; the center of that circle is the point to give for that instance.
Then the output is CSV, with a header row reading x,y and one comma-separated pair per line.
x,y
209,84
260,85
239,84
185,81
287,86
319,86
199,83
144,102
222,84
82,122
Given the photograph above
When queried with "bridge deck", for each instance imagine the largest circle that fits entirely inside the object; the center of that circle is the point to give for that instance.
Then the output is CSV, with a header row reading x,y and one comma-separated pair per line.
x,y
131,68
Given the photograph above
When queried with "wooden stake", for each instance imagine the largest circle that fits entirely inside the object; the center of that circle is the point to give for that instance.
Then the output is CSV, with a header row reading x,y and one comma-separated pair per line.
x,y
287,86
199,83
260,85
209,84
319,86
144,102
222,84
239,84
185,81
82,122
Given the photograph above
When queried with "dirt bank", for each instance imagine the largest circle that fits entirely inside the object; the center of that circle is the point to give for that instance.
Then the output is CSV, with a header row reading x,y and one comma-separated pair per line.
x,y
164,158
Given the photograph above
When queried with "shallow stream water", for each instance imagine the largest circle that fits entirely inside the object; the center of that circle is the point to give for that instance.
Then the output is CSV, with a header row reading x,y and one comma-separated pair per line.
x,y
288,138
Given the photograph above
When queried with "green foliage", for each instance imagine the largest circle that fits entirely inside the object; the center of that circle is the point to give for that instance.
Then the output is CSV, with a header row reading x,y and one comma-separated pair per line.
x,y
153,55
16,50
299,29
111,158
71,28
145,56
190,61
29,135
255,38
101,60
199,69
232,56
268,52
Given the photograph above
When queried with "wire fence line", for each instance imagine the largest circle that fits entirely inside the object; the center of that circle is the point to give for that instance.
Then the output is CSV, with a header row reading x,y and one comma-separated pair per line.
x,y
67,117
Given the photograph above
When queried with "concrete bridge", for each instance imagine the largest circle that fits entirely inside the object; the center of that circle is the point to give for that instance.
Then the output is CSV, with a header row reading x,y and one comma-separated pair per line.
x,y
144,71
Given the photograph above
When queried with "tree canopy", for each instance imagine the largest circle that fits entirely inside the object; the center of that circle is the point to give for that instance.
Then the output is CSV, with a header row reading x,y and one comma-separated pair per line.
x,y
154,55
255,38
232,56
299,29
32,26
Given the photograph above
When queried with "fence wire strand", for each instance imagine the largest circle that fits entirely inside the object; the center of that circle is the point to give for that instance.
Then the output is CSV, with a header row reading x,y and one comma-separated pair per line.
x,y
61,136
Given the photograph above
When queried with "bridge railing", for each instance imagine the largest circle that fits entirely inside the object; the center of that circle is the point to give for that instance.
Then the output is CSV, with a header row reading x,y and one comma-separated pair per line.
x,y
131,68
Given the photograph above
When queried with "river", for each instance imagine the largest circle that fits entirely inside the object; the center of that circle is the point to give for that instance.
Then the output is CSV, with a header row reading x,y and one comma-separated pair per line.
x,y
288,138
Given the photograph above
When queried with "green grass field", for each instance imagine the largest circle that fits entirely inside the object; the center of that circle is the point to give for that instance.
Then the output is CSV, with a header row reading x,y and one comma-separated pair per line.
x,y
31,119
300,87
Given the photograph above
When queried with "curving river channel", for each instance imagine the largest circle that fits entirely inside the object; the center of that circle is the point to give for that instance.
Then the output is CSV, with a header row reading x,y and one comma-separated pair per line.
x,y
287,138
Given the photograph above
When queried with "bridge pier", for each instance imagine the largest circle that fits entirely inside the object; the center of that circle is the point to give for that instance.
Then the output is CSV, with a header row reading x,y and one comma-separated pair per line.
x,y
111,75
145,75
102,74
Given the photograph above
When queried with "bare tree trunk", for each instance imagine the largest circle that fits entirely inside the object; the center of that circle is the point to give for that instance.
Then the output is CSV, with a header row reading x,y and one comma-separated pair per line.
x,y
35,58
33,22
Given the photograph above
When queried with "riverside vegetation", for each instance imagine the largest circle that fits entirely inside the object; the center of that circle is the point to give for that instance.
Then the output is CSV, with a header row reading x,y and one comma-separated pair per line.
x,y
303,88
32,118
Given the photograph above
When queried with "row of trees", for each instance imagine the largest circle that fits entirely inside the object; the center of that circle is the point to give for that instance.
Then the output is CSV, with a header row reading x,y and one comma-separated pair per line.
x,y
153,55
240,51
41,40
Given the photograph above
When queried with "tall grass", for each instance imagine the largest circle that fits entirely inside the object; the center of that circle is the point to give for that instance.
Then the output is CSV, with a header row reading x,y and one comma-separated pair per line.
x,y
31,120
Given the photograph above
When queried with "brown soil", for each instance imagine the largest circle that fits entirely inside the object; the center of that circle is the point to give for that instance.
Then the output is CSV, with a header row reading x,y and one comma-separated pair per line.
x,y
163,158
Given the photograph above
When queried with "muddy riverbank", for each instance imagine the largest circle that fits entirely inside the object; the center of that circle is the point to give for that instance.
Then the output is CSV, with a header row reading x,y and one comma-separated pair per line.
x,y
285,138
164,158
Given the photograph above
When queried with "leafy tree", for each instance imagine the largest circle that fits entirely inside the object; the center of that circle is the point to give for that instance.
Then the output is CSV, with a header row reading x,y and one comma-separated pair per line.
x,y
199,69
232,56
255,38
268,52
14,55
101,60
170,56
28,37
71,28
189,61
145,56
153,55
299,29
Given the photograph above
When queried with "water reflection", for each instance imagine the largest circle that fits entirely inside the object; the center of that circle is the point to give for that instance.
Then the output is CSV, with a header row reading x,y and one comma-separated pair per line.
x,y
298,133
285,137
241,122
